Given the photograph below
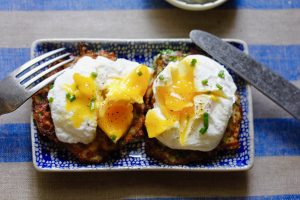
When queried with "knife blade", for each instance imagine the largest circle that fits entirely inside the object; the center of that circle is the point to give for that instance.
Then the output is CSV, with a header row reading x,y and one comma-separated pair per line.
x,y
274,86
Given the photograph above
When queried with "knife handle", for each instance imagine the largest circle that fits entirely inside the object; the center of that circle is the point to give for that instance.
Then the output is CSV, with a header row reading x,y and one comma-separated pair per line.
x,y
274,86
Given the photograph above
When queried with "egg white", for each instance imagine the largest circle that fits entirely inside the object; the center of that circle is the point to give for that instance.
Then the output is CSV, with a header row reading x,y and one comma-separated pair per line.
x,y
64,128
110,70
107,71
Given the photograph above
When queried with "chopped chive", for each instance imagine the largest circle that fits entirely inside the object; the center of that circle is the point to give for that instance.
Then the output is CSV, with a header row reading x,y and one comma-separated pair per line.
x,y
40,114
51,86
70,97
161,77
193,62
205,123
113,137
205,118
166,51
139,73
51,99
219,86
94,74
169,51
92,104
204,82
73,97
203,130
221,74
172,58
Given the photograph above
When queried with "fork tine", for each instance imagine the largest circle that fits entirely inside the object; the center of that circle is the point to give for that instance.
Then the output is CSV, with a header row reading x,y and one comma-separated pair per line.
x,y
45,82
26,75
37,77
35,60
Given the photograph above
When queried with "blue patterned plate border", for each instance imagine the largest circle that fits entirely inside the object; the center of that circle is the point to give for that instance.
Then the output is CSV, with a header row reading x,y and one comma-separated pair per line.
x,y
47,158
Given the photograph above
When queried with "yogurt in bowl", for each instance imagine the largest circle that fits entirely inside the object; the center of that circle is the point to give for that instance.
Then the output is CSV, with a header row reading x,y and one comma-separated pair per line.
x,y
197,1
196,5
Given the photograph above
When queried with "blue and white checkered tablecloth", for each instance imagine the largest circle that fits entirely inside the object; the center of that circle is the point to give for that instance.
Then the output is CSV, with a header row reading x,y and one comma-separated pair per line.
x,y
272,30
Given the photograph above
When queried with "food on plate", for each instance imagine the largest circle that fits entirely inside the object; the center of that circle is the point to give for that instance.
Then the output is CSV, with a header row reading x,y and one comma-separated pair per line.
x,y
187,107
95,107
195,111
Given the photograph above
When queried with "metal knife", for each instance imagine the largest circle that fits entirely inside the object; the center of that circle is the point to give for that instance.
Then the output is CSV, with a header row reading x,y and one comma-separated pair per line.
x,y
282,92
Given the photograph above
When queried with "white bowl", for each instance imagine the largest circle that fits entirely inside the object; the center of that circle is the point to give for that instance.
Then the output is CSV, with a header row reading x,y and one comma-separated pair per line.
x,y
196,7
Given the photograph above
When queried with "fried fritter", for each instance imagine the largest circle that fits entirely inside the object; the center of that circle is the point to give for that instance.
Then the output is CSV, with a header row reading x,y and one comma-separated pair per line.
x,y
102,147
167,155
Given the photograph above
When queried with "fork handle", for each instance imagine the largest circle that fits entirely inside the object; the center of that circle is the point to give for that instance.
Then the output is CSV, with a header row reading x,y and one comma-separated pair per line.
x,y
12,96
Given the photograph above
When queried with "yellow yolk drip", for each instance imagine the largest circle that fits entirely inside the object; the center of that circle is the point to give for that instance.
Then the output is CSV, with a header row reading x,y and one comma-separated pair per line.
x,y
179,95
176,102
115,118
116,112
214,98
83,89
132,87
155,125
86,85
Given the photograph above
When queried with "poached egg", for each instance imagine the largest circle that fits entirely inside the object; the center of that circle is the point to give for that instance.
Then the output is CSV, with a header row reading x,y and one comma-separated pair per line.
x,y
97,92
193,104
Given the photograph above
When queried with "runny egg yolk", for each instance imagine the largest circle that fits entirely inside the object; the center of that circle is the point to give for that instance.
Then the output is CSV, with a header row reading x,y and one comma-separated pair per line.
x,y
132,87
156,125
116,111
179,95
115,118
81,99
176,102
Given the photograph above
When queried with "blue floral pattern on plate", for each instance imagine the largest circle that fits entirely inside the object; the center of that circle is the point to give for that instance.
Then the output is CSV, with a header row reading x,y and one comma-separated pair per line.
x,y
47,157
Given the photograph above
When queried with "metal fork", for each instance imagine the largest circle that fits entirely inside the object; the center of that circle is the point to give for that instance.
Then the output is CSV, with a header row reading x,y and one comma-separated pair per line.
x,y
19,86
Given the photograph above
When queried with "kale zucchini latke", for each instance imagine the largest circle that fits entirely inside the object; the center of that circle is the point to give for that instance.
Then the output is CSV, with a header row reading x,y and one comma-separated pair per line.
x,y
172,156
102,147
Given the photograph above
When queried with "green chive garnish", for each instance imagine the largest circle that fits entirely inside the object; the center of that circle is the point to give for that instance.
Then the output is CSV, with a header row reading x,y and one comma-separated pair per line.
x,y
51,99
161,77
94,74
203,130
70,97
167,51
40,114
205,123
205,118
193,62
219,86
92,104
51,86
172,58
221,74
113,137
139,73
204,82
